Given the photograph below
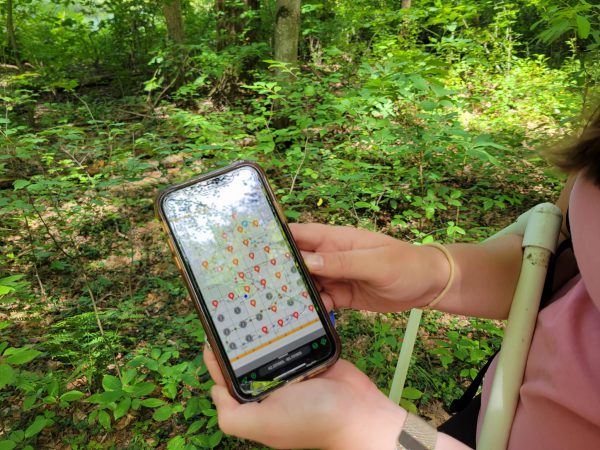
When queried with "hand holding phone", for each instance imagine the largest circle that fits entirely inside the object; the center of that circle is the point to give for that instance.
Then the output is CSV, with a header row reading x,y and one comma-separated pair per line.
x,y
338,409
259,308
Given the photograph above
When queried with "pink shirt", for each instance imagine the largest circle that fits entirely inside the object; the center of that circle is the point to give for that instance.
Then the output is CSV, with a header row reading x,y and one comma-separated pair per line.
x,y
559,404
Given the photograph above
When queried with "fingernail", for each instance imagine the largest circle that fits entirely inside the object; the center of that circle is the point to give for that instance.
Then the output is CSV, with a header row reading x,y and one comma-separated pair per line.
x,y
314,261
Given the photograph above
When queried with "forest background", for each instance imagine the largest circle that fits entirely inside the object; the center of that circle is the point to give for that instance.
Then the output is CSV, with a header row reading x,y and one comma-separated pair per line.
x,y
419,120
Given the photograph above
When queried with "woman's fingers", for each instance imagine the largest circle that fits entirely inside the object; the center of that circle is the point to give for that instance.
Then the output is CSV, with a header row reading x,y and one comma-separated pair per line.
x,y
367,264
316,236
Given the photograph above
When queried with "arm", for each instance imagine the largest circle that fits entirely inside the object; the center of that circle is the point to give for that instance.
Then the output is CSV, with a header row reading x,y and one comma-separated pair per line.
x,y
485,279
360,269
497,261
364,270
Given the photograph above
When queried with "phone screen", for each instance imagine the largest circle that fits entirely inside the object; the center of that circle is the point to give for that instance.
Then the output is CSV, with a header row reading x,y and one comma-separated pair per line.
x,y
249,282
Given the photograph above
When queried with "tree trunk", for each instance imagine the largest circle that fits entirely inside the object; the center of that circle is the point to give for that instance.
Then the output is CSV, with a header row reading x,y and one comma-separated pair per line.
x,y
10,32
287,31
228,23
173,17
285,49
405,4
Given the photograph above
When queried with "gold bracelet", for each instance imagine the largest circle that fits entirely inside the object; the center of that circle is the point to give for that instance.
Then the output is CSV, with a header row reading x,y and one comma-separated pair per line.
x,y
450,259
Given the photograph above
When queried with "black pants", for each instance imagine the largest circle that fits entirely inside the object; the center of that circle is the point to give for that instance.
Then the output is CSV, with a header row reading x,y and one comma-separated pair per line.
x,y
463,425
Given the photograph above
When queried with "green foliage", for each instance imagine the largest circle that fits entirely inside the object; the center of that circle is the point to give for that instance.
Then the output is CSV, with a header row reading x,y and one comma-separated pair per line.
x,y
419,123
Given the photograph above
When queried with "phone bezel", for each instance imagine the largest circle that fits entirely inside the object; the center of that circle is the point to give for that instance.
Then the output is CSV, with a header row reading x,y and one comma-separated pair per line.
x,y
200,305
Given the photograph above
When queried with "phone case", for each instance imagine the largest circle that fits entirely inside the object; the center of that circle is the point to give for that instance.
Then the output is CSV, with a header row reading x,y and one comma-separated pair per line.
x,y
206,323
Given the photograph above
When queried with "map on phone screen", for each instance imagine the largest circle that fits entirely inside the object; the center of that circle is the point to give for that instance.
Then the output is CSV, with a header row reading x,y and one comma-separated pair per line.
x,y
244,268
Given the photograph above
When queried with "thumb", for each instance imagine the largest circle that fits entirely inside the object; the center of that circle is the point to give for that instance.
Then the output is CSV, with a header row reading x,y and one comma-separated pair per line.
x,y
359,264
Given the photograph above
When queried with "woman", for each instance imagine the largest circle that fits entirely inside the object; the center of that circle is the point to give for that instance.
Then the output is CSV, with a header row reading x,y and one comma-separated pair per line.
x,y
559,404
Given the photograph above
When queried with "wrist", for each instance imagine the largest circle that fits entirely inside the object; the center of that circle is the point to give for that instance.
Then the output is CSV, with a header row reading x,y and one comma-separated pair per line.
x,y
435,268
371,429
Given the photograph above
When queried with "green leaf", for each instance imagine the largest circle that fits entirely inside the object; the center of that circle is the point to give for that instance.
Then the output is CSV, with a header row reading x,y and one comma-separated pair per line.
x,y
129,375
111,383
192,408
482,154
190,380
209,412
104,419
122,408
583,27
215,438
195,426
419,82
212,422
411,393
409,406
20,184
176,443
22,356
7,445
152,402
162,413
71,396
29,401
143,388
105,397
7,375
17,436
170,390
38,425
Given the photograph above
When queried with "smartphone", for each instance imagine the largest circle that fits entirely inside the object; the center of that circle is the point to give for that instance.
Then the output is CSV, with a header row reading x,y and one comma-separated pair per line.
x,y
259,308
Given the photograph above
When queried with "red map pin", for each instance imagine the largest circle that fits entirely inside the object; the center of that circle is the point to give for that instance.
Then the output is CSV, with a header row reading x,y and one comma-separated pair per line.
x,y
253,302
274,308
295,314
278,274
251,255
245,242
247,288
280,322
215,303
311,308
287,255
257,269
205,264
265,330
230,295
284,288
242,275
224,235
235,261
267,248
304,294
263,282
273,261
230,248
